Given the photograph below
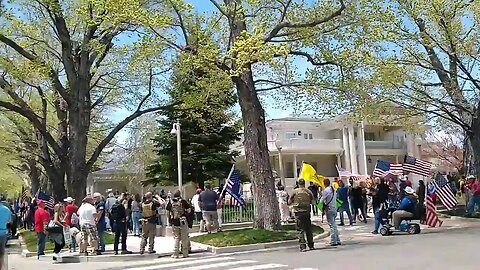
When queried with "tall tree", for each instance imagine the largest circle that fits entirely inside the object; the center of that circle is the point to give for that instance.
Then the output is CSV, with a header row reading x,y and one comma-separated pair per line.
x,y
261,45
207,131
72,52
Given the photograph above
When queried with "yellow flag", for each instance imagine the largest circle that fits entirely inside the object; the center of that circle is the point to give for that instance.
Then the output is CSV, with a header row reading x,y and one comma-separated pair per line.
x,y
309,174
335,186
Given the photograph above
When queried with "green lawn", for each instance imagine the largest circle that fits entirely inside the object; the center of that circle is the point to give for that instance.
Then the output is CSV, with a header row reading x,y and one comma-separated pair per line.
x,y
250,236
30,239
459,212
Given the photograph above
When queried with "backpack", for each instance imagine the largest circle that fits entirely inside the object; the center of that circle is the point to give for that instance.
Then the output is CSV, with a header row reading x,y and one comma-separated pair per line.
x,y
302,200
114,212
177,209
74,219
148,210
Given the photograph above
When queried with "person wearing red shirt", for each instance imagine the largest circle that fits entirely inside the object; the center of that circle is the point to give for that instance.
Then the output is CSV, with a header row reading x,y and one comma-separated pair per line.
x,y
42,217
70,210
474,186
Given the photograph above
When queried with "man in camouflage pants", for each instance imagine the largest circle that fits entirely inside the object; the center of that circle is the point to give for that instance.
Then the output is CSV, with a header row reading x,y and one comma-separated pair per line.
x,y
302,199
178,209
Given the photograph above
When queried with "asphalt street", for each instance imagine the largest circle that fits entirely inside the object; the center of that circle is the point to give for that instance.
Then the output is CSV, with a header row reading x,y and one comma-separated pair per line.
x,y
454,246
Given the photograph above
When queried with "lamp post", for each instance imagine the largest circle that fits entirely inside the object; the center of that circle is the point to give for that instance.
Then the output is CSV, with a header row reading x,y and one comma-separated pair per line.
x,y
278,145
176,130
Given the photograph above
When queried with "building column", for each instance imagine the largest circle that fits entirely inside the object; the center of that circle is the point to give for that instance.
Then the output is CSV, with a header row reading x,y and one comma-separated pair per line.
x,y
362,157
280,166
339,161
295,173
353,150
396,159
346,150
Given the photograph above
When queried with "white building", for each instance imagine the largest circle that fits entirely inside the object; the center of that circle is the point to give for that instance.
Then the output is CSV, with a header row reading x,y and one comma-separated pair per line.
x,y
325,144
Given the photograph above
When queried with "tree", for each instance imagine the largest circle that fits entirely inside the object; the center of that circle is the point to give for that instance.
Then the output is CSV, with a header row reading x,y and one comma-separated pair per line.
x,y
69,55
431,67
207,131
259,45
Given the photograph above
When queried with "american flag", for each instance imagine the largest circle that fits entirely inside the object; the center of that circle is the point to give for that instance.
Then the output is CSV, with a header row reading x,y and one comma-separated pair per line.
x,y
431,218
417,166
343,172
47,199
25,194
384,168
445,193
233,188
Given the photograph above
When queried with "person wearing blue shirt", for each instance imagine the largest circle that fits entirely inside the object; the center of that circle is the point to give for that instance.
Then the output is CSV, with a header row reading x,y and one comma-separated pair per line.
x,y
5,219
342,194
406,208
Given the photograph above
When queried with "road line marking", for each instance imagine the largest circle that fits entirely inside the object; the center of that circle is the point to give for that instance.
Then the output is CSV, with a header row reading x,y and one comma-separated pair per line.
x,y
261,266
209,266
184,263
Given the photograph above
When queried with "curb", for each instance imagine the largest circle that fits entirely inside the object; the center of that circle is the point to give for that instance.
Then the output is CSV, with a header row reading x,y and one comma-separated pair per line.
x,y
260,246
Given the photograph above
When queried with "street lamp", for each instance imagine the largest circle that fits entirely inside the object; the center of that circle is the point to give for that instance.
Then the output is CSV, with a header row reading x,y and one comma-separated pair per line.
x,y
176,130
279,146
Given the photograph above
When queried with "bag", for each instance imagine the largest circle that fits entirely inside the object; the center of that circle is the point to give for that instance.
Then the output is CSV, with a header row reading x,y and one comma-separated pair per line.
x,y
114,215
74,219
148,211
54,228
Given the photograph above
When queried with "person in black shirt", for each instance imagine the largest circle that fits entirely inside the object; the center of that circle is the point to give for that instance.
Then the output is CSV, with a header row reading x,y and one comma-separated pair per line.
x,y
379,198
314,189
119,218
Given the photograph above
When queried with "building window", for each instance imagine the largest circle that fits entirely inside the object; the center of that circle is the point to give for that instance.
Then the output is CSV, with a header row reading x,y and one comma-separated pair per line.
x,y
290,135
308,136
369,136
289,170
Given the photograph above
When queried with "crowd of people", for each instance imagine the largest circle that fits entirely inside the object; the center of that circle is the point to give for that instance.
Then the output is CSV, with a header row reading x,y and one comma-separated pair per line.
x,y
86,224
355,198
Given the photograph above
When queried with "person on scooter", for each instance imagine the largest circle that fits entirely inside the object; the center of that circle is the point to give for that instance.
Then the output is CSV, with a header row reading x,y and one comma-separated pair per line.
x,y
406,208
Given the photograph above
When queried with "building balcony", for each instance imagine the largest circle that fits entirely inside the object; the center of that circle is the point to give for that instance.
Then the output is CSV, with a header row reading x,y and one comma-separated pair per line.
x,y
385,145
319,146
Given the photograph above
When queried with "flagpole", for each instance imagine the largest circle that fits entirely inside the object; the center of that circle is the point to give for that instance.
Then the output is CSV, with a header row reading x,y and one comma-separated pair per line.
x,y
228,177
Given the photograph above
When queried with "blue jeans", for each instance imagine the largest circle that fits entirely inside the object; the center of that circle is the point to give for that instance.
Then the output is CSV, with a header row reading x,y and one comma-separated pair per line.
x,y
474,200
101,239
334,239
136,216
378,220
345,208
42,240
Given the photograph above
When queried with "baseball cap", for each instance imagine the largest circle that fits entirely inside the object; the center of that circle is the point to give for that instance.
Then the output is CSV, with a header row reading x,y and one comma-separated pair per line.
x,y
97,194
68,199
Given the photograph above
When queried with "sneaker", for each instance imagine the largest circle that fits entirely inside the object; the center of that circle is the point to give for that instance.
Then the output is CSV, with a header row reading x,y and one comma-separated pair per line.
x,y
115,253
312,248
185,256
152,252
98,252
374,232
341,224
126,252
303,250
142,252
175,256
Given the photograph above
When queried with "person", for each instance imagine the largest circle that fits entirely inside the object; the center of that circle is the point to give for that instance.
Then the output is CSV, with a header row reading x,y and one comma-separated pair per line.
x,y
358,203
314,189
178,209
406,208
109,202
198,210
87,216
468,191
101,225
403,184
282,198
421,192
119,217
208,202
474,198
379,195
56,235
408,182
221,197
329,200
149,228
71,219
342,194
136,215
302,199
5,221
42,218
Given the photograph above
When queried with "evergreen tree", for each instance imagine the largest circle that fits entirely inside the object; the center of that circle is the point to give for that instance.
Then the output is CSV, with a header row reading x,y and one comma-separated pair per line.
x,y
207,131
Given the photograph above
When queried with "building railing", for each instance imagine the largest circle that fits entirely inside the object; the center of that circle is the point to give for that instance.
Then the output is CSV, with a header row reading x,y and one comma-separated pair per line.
x,y
385,145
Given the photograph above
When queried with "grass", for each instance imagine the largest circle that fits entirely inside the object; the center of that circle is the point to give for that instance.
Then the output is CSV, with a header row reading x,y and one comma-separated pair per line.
x,y
30,240
460,211
250,236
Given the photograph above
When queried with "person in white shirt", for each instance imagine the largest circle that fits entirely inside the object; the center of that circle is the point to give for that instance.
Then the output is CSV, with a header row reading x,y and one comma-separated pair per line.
x,y
329,200
87,215
282,197
198,210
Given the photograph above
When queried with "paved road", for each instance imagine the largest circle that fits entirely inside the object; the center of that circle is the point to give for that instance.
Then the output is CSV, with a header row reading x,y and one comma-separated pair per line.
x,y
454,246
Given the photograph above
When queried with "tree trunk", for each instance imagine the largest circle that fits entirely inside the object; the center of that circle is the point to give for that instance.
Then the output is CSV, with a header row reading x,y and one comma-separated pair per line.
x,y
34,174
267,213
475,155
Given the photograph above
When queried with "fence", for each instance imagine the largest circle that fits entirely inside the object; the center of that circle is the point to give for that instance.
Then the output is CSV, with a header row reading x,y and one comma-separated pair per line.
x,y
237,214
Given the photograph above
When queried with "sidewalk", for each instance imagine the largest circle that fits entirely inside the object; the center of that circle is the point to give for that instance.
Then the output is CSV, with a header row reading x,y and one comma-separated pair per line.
x,y
163,244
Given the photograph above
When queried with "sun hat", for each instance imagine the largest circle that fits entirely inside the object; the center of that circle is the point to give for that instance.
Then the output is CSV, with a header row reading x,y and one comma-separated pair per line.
x,y
409,190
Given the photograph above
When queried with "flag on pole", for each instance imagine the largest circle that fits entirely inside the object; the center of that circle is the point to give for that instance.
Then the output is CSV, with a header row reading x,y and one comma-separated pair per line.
x,y
233,188
309,174
47,199
25,194
431,218
384,168
445,193
417,166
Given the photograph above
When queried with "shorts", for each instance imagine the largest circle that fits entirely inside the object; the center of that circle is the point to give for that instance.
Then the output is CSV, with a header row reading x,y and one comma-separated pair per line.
x,y
89,231
3,244
198,216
